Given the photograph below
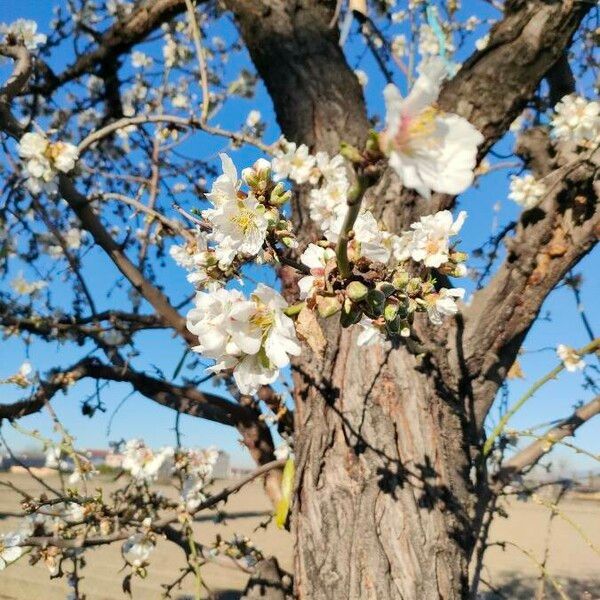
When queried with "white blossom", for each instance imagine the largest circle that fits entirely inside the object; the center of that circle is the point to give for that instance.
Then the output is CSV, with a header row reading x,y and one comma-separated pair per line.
x,y
24,30
239,228
571,360
137,550
576,119
283,451
10,550
253,118
526,191
225,187
430,150
362,77
143,463
399,45
315,258
331,169
252,337
293,162
428,241
43,159
482,42
27,288
443,304
327,203
139,60
429,44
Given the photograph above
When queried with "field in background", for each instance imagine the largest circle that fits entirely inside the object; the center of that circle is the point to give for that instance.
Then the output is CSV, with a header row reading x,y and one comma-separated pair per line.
x,y
572,562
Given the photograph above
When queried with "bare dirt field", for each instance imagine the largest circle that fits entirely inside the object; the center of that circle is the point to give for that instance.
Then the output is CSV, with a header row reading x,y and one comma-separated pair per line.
x,y
573,562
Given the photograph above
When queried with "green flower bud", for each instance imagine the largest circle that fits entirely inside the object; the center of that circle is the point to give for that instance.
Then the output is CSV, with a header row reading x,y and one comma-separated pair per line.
x,y
386,288
390,312
400,280
327,306
376,300
279,196
357,291
351,313
350,152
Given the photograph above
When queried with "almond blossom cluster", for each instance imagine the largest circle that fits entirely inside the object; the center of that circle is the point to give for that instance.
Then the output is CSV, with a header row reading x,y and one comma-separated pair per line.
x,y
526,191
251,337
23,31
44,160
242,226
576,119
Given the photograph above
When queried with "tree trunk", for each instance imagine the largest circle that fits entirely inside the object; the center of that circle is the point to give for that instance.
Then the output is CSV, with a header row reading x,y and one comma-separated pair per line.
x,y
383,501
381,504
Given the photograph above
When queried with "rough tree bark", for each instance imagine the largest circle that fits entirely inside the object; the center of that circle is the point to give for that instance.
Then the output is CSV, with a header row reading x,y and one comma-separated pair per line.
x,y
386,443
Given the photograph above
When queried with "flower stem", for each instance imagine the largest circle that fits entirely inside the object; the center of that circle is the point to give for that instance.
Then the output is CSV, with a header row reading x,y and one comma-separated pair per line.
x,y
497,431
355,196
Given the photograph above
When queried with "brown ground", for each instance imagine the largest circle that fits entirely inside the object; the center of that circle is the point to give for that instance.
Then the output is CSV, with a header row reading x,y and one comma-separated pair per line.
x,y
573,563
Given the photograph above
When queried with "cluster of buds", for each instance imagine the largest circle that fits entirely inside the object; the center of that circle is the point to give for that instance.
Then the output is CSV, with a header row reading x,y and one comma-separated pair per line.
x,y
272,195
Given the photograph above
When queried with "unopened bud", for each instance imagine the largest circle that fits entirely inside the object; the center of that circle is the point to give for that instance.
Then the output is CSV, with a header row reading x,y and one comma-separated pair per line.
x,y
458,257
386,288
400,280
376,300
390,312
351,313
279,196
327,306
357,291
350,152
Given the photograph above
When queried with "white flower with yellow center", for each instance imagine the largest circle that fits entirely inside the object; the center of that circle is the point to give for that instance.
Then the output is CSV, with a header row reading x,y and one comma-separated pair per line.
x,y
27,288
221,320
428,242
143,463
239,228
576,119
328,202
443,304
430,150
571,360
316,259
526,191
43,160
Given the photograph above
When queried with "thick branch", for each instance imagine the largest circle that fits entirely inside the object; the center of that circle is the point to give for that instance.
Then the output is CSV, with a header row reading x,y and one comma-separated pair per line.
x,y
185,399
548,241
531,455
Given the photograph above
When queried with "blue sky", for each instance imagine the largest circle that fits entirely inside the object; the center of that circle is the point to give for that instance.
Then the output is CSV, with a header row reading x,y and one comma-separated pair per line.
x,y
488,209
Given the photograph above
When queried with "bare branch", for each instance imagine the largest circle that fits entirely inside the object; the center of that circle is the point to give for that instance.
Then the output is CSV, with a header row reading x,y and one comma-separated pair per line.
x,y
532,454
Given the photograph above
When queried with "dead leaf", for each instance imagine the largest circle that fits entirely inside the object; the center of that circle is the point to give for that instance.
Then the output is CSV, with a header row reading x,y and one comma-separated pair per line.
x,y
515,372
309,330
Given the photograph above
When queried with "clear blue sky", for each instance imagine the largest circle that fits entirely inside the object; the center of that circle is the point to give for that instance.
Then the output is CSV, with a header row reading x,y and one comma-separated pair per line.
x,y
488,209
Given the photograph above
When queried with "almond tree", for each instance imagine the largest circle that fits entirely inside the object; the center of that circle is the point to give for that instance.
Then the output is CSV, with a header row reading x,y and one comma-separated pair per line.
x,y
395,472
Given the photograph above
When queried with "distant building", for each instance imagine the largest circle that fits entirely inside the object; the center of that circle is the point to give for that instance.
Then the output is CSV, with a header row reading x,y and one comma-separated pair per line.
x,y
222,468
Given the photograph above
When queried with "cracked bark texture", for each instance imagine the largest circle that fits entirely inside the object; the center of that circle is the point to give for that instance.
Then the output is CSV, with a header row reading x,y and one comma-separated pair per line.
x,y
389,490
